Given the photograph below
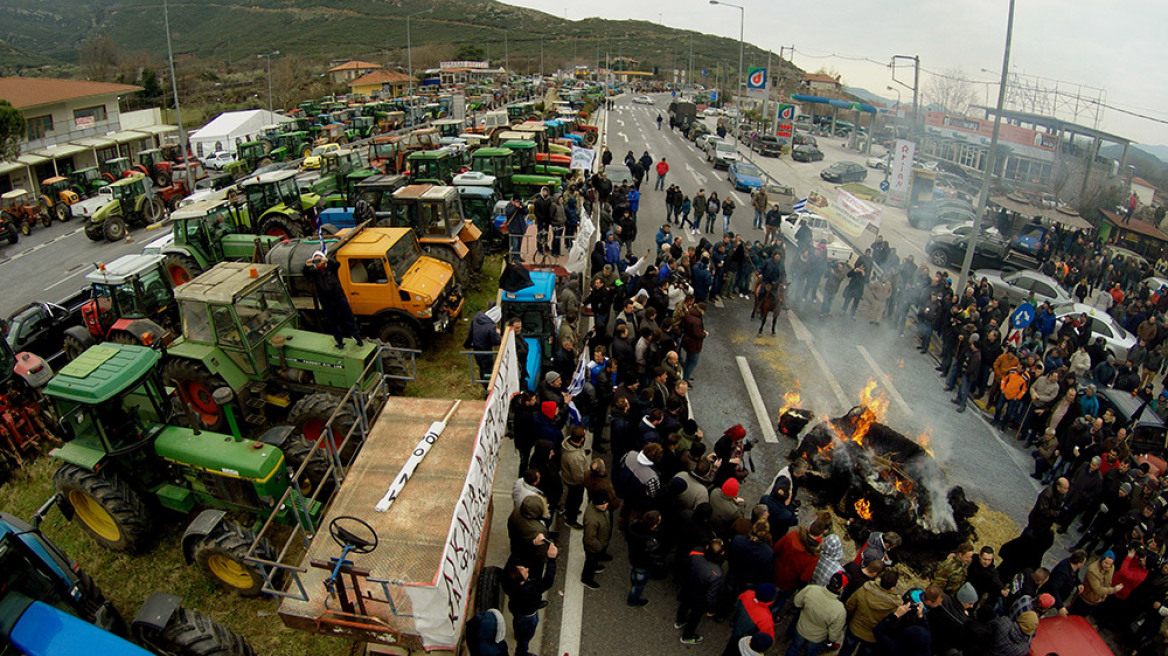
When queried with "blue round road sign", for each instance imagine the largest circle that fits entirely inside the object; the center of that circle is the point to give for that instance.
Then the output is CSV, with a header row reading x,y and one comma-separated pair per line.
x,y
1023,316
884,185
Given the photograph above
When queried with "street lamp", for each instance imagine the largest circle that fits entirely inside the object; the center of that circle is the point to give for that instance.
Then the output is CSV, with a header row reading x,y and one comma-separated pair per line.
x,y
269,56
182,132
741,33
410,53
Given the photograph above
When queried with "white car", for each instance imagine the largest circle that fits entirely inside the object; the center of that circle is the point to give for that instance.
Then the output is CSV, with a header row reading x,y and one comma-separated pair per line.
x,y
1156,282
712,111
962,229
702,141
90,205
218,159
643,100
1103,325
879,163
837,250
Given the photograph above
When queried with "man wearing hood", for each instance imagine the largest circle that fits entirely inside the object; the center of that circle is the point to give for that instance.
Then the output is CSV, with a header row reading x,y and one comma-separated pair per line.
x,y
1011,637
526,530
700,591
574,464
487,634
483,336
878,546
321,271
638,481
866,607
525,595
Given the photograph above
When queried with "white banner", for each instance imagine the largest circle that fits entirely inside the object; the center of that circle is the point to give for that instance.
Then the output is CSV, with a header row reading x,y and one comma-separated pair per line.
x,y
440,610
902,160
407,470
578,257
582,158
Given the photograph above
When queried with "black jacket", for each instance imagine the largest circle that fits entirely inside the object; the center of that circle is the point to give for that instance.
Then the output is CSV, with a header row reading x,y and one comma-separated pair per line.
x,y
703,583
524,596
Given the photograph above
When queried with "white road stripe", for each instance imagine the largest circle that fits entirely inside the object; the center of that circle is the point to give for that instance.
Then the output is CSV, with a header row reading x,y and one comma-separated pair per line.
x,y
760,411
67,278
887,379
805,336
572,614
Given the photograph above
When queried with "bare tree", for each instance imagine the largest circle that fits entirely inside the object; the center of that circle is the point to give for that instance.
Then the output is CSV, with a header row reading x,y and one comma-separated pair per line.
x,y
951,90
99,56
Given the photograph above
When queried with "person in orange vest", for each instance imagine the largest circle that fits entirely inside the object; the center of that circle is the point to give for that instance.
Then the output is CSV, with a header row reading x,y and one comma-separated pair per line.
x,y
1013,386
662,168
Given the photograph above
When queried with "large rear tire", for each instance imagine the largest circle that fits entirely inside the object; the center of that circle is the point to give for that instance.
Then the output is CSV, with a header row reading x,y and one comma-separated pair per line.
x,y
95,231
311,413
114,228
154,209
12,235
475,256
295,453
399,335
222,557
279,225
181,268
190,633
46,218
61,211
76,340
106,507
196,384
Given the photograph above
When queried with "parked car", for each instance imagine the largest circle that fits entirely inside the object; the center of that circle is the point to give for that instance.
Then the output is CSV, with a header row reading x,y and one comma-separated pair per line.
x,y
722,154
703,141
948,250
766,145
1149,435
878,163
312,162
1117,339
928,214
618,174
1016,287
806,154
218,159
696,131
642,100
804,139
85,208
744,176
837,250
781,195
963,229
712,111
842,172
1156,282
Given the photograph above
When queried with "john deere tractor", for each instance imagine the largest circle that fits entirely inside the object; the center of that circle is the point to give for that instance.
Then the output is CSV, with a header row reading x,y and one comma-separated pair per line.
x,y
134,203
239,329
57,197
125,459
435,214
436,167
249,156
334,167
86,182
210,231
276,206
49,607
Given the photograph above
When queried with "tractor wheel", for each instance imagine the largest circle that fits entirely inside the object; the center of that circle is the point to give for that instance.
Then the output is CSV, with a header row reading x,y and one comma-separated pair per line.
x,y
589,138
279,225
13,236
114,228
489,592
46,218
26,228
95,231
343,141
310,414
181,268
447,255
398,335
328,229
264,162
61,211
106,507
221,556
190,633
162,178
474,258
76,340
153,210
96,608
123,337
196,384
295,453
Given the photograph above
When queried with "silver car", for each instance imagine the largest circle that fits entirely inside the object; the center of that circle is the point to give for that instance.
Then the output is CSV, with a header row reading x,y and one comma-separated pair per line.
x,y
1016,287
1103,325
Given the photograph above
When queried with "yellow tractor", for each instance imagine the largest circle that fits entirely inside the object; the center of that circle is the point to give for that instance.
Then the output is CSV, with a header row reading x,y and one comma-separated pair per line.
x,y
56,196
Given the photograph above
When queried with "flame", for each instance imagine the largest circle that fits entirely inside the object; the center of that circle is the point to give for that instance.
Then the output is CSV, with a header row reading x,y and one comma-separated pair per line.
x,y
791,401
864,509
875,407
925,440
903,486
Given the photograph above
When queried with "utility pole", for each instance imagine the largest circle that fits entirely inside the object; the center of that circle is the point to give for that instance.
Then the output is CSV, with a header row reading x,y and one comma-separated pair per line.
x,y
689,75
766,98
541,55
916,85
182,132
991,160
506,52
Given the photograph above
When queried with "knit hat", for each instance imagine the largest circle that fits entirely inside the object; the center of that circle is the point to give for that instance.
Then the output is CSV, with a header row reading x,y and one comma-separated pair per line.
x,y
966,594
765,593
1028,622
1045,600
974,338
730,487
548,408
735,432
1108,554
838,582
761,642
551,377
1125,488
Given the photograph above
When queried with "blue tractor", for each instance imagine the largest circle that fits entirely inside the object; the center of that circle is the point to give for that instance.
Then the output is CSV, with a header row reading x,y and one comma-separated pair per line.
x,y
536,306
49,607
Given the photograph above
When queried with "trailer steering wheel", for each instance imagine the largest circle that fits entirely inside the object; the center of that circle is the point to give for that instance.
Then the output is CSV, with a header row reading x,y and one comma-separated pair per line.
x,y
353,542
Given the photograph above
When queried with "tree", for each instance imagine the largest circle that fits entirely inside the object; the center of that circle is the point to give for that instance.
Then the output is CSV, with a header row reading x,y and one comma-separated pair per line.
x,y
11,131
99,56
469,52
951,90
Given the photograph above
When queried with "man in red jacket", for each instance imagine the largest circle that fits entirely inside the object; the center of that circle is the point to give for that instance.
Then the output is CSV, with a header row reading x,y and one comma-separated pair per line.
x,y
796,555
662,168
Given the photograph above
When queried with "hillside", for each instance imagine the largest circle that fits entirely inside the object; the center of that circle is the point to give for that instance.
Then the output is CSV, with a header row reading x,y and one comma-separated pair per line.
x,y
235,30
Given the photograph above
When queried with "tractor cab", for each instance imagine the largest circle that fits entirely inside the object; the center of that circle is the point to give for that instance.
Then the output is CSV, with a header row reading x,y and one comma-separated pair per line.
x,y
153,162
362,125
86,181
129,288
423,139
332,133
378,190
520,111
448,127
387,154
18,202
269,190
433,166
115,169
536,306
57,189
484,206
432,211
211,231
271,131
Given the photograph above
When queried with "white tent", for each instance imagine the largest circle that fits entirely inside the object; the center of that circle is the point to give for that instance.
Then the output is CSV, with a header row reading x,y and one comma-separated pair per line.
x,y
229,129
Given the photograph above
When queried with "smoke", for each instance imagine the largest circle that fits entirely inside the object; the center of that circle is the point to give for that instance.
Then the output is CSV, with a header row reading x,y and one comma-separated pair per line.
x,y
929,476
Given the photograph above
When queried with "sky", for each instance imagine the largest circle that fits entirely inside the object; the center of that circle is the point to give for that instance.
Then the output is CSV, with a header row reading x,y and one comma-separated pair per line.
x,y
1105,44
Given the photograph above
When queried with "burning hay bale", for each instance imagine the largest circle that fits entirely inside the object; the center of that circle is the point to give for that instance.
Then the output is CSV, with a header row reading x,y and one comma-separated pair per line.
x,y
882,480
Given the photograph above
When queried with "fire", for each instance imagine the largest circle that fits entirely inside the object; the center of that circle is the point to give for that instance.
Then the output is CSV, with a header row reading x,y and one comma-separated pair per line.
x,y
791,401
924,440
903,486
875,407
864,509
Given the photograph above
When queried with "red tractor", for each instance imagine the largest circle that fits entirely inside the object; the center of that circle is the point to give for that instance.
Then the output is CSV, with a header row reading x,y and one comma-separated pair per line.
x,y
153,163
23,422
132,302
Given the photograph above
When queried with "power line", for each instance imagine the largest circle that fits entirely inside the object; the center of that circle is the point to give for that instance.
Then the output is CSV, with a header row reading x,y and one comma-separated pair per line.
x,y
1127,111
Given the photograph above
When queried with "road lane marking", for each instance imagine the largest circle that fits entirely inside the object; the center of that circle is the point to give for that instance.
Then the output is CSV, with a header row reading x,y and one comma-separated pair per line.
x,y
760,411
887,379
805,336
572,613
622,135
66,278
694,172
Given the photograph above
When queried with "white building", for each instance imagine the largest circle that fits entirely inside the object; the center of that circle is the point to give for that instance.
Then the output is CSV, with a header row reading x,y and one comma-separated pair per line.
x,y
229,129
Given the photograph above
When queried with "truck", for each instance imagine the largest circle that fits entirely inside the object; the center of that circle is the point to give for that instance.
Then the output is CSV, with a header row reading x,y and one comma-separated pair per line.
x,y
837,250
682,114
397,294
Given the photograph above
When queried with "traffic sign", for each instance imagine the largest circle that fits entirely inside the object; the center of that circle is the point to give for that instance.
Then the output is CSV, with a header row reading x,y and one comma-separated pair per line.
x,y
884,185
1023,316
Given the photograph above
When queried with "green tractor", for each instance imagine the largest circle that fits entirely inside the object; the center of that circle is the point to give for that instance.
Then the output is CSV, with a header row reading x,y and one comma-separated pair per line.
x,y
134,203
240,332
125,458
295,144
86,182
276,206
525,160
501,164
436,167
249,156
334,166
362,127
115,169
208,232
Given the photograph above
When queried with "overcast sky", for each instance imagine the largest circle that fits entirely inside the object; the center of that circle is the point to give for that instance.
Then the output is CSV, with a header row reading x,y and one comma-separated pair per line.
x,y
1106,44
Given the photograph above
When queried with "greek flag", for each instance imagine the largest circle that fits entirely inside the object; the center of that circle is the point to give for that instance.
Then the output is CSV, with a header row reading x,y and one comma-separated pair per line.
x,y
577,387
797,208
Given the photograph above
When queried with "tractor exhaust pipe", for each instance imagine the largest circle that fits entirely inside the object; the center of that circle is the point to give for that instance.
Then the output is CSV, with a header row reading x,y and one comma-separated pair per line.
x,y
223,397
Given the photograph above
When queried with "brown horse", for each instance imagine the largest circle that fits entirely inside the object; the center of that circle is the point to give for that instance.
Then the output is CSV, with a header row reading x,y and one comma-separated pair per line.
x,y
769,298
